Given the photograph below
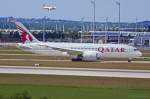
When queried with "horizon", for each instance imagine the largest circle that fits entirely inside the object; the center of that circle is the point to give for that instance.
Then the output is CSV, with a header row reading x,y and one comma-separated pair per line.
x,y
72,20
130,10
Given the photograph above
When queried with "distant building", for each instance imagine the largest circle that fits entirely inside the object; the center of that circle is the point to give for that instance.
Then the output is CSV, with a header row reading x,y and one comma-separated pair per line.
x,y
134,38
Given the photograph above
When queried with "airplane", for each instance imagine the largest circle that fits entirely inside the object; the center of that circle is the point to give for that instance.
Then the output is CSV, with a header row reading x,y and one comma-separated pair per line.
x,y
49,8
77,51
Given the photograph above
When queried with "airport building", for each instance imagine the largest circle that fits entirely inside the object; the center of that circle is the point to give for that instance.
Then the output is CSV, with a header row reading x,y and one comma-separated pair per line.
x,y
139,39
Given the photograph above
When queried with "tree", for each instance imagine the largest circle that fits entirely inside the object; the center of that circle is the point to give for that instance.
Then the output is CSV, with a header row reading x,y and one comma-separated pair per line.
x,y
23,95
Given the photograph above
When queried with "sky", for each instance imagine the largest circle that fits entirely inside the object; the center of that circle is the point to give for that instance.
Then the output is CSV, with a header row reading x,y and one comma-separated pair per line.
x,y
76,9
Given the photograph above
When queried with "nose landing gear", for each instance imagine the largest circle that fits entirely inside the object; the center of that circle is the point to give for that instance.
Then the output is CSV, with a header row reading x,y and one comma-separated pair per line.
x,y
130,60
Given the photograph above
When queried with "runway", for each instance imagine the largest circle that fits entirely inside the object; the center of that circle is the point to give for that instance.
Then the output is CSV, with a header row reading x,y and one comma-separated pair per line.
x,y
75,71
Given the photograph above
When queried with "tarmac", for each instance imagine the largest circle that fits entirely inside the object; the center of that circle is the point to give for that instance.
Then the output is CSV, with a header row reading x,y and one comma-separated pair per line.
x,y
90,72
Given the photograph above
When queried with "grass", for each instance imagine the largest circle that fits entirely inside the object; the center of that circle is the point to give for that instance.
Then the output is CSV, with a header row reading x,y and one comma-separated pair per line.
x,y
13,51
68,87
68,92
146,54
73,81
32,56
28,62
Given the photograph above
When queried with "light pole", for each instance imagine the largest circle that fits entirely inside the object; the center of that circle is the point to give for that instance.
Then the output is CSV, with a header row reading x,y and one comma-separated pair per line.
x,y
106,29
136,30
44,28
82,29
48,8
118,4
94,4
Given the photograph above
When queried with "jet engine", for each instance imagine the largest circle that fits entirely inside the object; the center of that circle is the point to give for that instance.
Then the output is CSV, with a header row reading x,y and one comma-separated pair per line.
x,y
90,56
87,56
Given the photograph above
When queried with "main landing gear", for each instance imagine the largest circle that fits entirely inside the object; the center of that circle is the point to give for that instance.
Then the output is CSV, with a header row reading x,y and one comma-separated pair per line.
x,y
77,58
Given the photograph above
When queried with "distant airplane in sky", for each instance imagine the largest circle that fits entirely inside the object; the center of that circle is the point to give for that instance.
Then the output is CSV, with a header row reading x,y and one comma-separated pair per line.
x,y
48,7
78,51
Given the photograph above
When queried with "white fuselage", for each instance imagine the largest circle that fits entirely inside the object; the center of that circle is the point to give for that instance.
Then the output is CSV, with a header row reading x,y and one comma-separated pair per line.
x,y
78,51
102,50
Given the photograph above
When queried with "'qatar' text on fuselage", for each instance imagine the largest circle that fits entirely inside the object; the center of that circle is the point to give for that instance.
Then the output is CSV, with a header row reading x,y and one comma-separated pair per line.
x,y
111,49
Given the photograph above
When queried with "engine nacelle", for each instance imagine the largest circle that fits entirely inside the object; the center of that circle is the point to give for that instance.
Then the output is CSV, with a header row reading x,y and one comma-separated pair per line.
x,y
90,56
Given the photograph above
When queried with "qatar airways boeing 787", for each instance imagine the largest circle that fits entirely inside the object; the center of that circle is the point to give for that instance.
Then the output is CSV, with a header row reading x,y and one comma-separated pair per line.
x,y
78,51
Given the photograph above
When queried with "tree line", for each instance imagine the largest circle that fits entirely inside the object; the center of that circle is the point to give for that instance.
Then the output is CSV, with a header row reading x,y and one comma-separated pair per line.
x,y
22,95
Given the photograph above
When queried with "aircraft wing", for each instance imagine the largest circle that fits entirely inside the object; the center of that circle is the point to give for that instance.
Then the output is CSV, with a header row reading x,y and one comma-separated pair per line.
x,y
69,51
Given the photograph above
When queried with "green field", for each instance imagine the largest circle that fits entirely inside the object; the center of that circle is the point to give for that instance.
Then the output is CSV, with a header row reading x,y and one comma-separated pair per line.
x,y
69,87
68,92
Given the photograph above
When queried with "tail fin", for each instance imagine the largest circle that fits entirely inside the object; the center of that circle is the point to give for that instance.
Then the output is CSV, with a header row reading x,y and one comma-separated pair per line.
x,y
25,35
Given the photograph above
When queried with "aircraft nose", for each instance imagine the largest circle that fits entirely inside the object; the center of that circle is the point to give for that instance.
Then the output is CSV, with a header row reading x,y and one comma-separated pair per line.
x,y
139,54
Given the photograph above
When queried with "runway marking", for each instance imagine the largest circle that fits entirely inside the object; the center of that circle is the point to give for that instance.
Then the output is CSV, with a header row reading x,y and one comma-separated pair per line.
x,y
75,71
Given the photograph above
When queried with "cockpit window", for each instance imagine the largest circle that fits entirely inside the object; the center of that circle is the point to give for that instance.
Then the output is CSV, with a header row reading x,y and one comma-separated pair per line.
x,y
135,49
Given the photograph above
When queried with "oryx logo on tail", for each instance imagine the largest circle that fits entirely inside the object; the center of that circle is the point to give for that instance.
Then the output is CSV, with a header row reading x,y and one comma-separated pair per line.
x,y
25,34
25,37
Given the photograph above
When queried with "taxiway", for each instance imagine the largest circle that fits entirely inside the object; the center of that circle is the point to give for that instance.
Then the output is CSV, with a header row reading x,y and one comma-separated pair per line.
x,y
75,71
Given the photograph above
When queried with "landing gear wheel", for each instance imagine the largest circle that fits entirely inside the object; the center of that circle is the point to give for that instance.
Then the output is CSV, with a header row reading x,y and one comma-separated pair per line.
x,y
130,60
77,58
